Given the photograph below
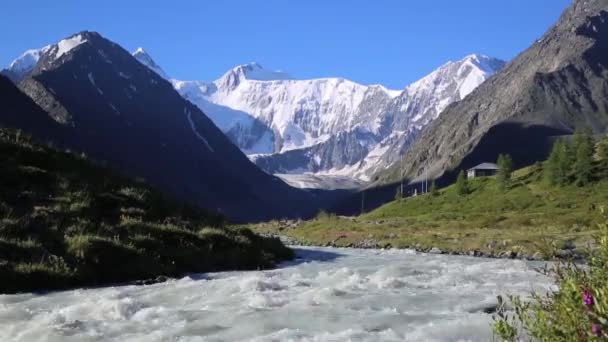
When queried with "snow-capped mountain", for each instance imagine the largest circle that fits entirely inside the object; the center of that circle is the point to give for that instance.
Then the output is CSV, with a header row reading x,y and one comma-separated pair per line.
x,y
122,113
328,126
421,103
267,112
25,63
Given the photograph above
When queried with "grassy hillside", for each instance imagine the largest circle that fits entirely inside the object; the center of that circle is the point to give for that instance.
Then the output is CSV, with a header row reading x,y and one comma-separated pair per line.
x,y
66,223
528,217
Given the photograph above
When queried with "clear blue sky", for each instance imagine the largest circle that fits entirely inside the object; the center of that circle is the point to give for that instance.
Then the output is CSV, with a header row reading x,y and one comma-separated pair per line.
x,y
391,42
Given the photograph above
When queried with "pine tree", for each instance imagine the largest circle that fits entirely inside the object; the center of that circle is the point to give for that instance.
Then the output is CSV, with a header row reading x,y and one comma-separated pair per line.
x,y
584,157
505,170
552,165
603,149
398,194
567,157
434,190
559,164
462,184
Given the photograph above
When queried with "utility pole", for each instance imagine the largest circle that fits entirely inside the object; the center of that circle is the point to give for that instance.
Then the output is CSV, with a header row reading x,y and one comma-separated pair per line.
x,y
363,191
362,201
402,171
426,176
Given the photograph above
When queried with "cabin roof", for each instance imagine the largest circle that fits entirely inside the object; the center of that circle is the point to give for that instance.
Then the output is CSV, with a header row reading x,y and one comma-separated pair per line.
x,y
485,166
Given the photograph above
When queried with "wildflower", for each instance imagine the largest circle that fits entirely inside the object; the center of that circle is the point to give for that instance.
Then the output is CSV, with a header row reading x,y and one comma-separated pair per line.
x,y
596,329
587,298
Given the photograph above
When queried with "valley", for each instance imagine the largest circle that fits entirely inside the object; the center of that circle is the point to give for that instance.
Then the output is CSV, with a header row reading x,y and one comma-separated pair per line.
x,y
148,199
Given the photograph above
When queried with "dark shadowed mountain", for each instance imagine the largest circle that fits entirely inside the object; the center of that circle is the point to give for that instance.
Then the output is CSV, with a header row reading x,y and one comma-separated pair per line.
x,y
557,85
118,111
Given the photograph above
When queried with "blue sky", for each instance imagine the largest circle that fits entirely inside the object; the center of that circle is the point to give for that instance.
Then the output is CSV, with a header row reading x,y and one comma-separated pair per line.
x,y
391,42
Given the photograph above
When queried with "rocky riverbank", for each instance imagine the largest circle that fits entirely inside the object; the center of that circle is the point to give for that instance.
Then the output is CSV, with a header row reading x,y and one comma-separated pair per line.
x,y
568,250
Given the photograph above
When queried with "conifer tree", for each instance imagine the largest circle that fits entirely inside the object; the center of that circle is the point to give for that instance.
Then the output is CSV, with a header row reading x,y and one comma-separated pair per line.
x,y
559,164
398,194
603,149
505,170
462,184
583,145
434,190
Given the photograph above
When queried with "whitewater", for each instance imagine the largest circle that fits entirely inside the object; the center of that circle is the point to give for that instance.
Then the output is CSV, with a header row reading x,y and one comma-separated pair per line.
x,y
324,295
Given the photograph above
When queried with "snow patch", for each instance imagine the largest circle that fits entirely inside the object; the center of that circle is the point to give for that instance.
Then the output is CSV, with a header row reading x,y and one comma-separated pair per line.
x,y
193,126
92,80
68,45
104,56
114,108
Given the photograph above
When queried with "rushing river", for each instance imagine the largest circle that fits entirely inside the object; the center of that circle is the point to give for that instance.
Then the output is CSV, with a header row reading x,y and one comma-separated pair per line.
x,y
325,295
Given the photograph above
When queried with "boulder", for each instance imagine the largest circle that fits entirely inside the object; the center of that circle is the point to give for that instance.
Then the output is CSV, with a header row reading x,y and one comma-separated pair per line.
x,y
435,250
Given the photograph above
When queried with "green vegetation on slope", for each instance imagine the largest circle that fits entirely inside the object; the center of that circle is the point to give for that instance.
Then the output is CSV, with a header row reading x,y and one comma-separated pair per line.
x,y
524,216
65,223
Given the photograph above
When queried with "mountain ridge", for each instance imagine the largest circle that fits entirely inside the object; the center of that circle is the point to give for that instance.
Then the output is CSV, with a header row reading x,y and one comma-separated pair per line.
x,y
304,131
559,82
123,113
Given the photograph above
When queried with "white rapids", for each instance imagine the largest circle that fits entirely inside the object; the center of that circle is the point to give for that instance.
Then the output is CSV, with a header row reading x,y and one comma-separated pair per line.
x,y
325,295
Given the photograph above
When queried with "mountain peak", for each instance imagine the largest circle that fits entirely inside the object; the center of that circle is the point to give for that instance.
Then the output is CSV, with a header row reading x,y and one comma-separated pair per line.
x,y
26,62
252,71
144,58
139,51
484,62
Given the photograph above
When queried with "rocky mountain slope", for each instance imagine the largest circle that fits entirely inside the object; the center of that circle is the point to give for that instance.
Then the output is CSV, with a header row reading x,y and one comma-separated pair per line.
x,y
558,84
329,126
120,112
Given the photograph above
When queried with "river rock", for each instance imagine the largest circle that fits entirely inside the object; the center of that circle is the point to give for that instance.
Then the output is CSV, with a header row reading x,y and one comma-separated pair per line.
x,y
435,250
569,245
564,253
508,255
366,244
475,253
491,245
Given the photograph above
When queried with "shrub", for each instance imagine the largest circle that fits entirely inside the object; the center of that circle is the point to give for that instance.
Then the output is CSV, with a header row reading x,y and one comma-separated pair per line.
x,y
576,311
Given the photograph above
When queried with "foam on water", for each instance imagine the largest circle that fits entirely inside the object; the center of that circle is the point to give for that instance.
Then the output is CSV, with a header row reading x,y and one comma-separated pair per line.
x,y
325,295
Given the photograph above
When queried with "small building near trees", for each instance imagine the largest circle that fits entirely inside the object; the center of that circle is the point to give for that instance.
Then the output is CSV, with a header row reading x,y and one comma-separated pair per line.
x,y
482,170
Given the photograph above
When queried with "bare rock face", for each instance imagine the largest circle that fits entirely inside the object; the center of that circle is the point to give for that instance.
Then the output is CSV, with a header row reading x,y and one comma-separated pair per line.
x,y
555,86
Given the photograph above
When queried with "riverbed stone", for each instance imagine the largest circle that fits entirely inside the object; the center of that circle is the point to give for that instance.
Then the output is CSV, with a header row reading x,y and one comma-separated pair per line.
x,y
537,256
508,255
435,250
564,254
491,245
569,245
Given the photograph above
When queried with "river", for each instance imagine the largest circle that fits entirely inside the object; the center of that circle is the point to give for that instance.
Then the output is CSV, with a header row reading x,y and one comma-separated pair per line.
x,y
325,295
